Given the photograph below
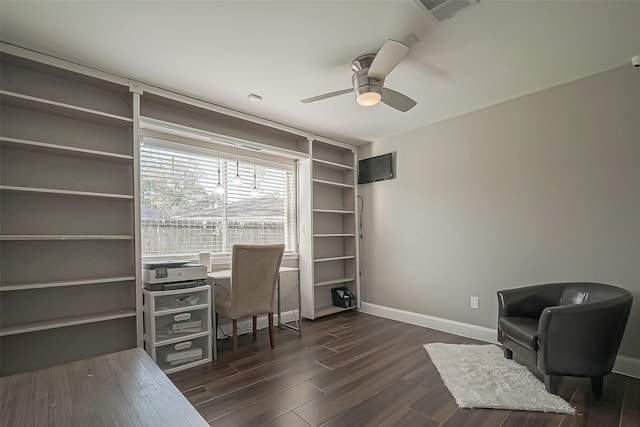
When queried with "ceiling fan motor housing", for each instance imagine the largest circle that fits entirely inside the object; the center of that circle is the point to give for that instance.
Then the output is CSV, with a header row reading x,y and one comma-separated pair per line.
x,y
364,87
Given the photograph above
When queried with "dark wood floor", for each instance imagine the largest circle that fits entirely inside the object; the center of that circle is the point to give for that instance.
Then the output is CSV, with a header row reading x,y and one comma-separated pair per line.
x,y
359,370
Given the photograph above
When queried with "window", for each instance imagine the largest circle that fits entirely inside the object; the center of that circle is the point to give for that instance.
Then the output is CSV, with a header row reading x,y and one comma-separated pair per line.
x,y
182,214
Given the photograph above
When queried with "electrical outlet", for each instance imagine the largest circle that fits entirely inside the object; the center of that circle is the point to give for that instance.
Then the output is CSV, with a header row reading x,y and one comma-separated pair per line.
x,y
475,302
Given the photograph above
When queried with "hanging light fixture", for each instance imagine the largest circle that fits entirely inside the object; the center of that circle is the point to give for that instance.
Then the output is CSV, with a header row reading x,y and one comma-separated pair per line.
x,y
237,180
254,190
219,189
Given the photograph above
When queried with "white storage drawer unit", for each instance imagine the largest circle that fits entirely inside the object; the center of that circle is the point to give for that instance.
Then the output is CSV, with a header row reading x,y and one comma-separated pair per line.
x,y
177,327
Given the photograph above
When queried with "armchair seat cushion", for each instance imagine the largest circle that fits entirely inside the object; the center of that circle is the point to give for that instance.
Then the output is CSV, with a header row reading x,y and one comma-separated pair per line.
x,y
522,330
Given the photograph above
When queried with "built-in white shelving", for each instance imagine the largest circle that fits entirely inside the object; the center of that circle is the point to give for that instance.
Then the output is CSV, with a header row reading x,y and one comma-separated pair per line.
x,y
68,273
329,252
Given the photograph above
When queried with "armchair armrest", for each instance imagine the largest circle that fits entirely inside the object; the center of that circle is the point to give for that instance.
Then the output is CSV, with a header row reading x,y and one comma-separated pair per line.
x,y
569,332
528,301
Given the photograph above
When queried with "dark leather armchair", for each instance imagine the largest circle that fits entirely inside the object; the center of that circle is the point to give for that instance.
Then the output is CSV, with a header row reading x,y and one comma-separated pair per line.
x,y
564,329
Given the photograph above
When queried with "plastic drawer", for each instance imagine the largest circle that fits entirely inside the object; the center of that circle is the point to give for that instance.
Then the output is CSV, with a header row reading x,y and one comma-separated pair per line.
x,y
182,353
182,324
186,299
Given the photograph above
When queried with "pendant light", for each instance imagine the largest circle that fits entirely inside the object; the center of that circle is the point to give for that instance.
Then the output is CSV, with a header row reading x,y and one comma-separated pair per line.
x,y
219,189
254,190
237,180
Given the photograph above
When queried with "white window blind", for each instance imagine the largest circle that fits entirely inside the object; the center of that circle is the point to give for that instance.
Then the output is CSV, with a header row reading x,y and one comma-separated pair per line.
x,y
181,214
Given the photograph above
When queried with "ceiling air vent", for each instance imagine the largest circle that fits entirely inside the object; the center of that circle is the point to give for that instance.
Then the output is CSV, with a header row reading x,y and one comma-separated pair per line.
x,y
441,10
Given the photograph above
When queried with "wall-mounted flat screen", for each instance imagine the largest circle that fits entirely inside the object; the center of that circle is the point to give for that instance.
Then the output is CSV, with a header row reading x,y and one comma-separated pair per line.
x,y
375,169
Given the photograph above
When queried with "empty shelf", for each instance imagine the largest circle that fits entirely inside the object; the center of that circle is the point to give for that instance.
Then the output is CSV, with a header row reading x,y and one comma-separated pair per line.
x,y
40,285
62,109
38,190
333,165
336,211
332,184
334,281
65,322
63,149
337,258
65,237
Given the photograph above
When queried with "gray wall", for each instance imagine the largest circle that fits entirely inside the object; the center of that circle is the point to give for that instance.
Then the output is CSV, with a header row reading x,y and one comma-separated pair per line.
x,y
542,188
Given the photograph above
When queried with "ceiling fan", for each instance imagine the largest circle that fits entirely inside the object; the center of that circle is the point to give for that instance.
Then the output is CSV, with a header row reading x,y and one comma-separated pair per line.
x,y
369,72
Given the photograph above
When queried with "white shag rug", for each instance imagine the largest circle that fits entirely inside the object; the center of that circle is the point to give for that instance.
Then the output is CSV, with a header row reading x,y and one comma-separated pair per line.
x,y
479,376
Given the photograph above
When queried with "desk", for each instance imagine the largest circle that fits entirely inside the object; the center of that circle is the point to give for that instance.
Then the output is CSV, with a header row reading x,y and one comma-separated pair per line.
x,y
226,274
118,389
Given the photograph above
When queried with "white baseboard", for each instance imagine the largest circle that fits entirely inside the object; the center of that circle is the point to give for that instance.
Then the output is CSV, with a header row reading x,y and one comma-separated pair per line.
x,y
624,365
437,323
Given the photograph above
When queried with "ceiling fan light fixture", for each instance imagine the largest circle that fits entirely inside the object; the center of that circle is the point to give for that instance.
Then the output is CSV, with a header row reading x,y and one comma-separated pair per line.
x,y
367,99
368,94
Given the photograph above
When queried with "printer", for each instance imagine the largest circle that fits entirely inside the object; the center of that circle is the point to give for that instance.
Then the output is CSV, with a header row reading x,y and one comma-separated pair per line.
x,y
170,275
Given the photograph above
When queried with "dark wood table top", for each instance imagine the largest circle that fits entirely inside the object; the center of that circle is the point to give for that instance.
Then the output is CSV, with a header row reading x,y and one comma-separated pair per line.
x,y
119,389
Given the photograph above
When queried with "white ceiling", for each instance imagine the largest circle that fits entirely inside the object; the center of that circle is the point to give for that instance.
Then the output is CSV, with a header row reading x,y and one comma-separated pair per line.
x,y
284,51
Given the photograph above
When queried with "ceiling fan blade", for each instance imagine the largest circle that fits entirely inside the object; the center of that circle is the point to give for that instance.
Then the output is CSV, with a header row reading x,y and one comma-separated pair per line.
x,y
387,59
326,95
397,100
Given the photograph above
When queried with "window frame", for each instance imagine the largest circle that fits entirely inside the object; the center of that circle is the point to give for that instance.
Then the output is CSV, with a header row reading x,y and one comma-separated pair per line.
x,y
226,151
